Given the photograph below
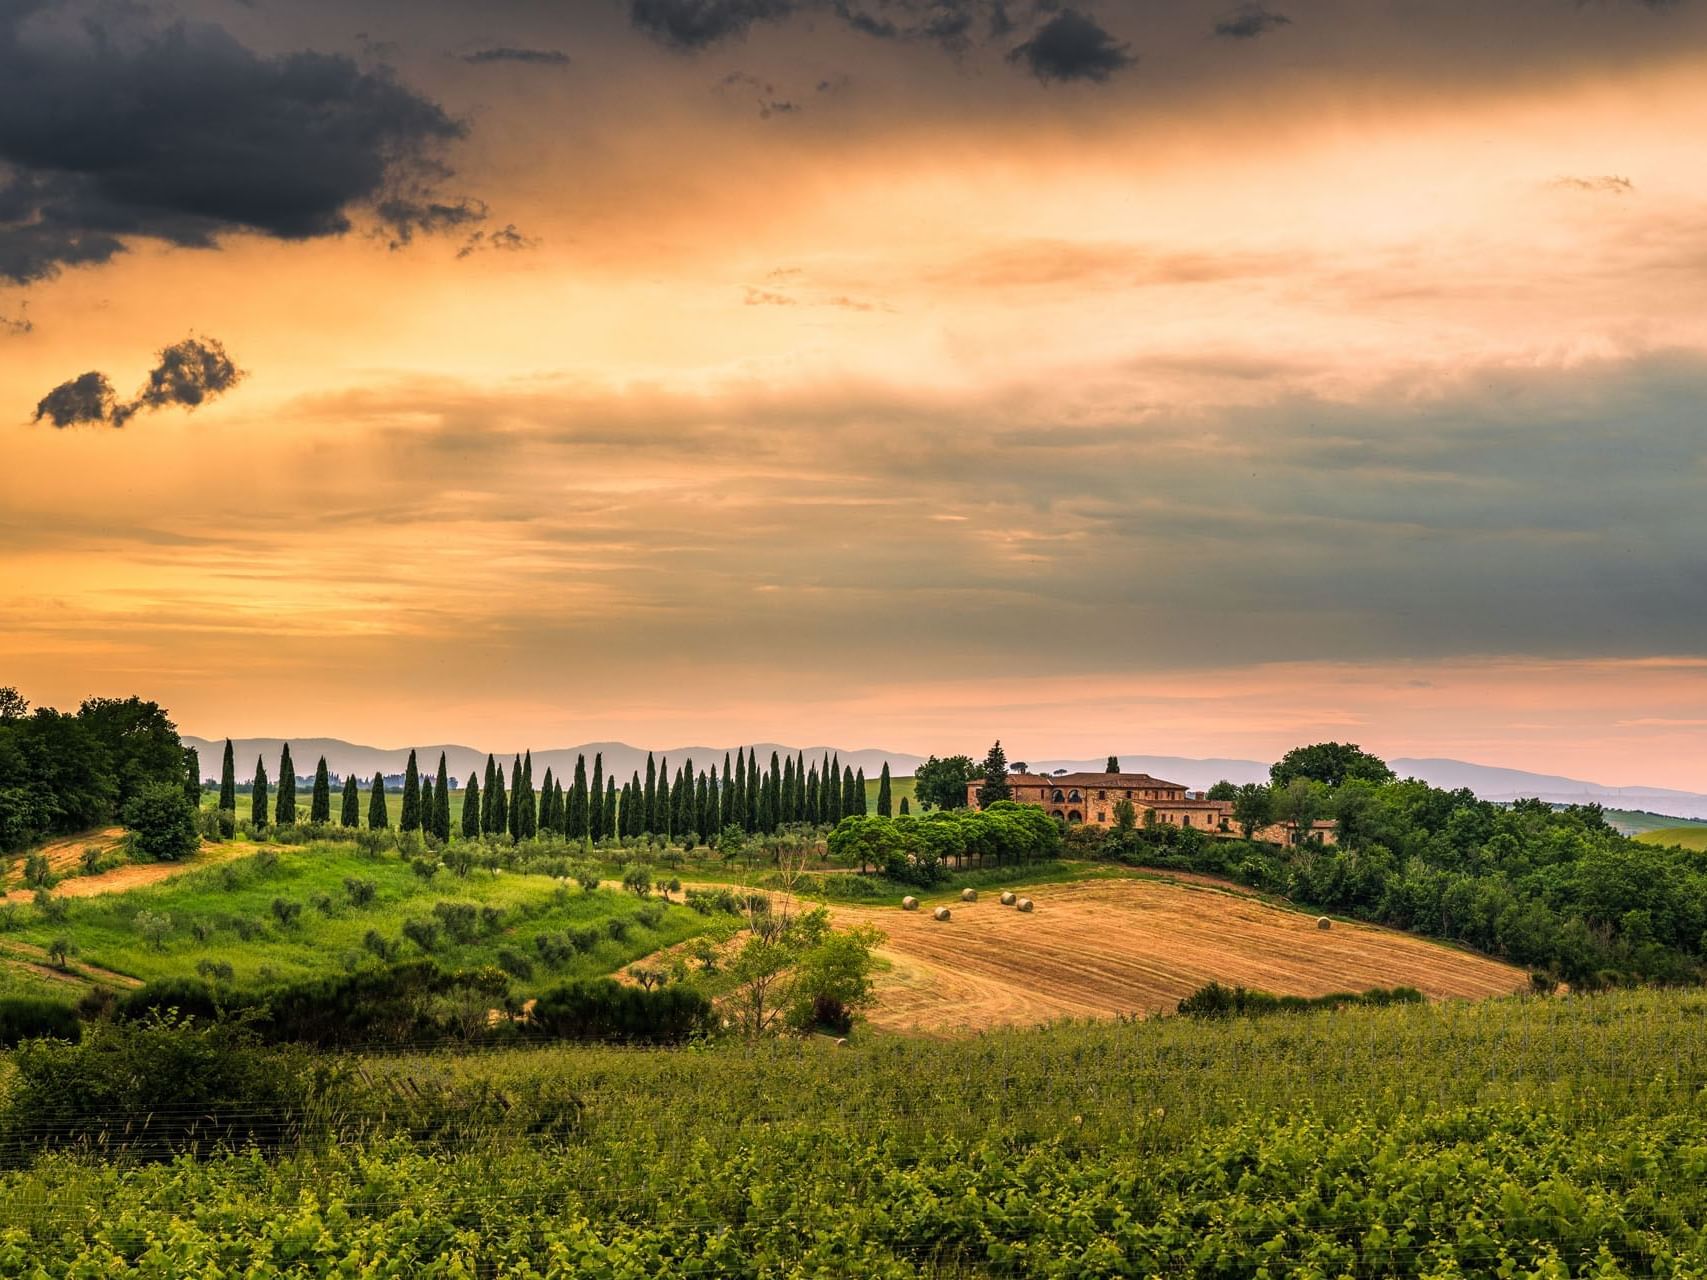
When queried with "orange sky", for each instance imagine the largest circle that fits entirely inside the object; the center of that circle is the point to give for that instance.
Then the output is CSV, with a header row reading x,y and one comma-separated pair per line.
x,y
1343,381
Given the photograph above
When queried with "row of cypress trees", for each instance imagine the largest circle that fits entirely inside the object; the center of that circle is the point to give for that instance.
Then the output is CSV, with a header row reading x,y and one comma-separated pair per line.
x,y
702,803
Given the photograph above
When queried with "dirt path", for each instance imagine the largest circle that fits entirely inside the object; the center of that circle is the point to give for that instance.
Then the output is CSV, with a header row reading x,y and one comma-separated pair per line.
x,y
135,875
65,855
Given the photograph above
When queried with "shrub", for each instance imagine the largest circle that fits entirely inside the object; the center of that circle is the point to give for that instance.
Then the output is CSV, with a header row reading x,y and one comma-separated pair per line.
x,y
245,928
459,919
154,926
426,868
360,892
59,949
285,911
650,916
491,919
322,902
30,1017
90,859
514,963
51,908
162,822
8,916
588,878
376,942
37,873
265,861
423,933
637,879
607,1010
617,928
214,970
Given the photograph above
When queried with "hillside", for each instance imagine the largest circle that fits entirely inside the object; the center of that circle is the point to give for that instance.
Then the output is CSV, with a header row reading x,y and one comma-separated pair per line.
x,y
1690,837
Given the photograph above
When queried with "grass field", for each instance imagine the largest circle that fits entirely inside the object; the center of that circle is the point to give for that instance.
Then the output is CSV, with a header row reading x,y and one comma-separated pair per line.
x,y
226,914
1121,946
1636,822
1687,837
1534,1138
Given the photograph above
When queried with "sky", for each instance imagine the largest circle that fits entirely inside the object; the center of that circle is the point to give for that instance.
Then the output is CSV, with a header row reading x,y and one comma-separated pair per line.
x,y
1146,375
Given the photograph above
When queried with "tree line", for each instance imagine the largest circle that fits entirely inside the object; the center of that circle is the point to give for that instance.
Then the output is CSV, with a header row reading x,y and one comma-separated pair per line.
x,y
688,804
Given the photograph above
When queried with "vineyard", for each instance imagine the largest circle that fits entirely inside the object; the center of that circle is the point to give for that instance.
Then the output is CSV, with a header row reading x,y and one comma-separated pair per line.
x,y
1519,1137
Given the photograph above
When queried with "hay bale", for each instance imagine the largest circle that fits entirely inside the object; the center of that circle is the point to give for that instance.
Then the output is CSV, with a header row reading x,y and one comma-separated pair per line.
x,y
1322,922
1009,897
941,913
909,903
1024,904
969,895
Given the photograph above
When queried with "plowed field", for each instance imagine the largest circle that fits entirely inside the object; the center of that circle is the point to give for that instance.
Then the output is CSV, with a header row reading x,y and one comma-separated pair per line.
x,y
1107,947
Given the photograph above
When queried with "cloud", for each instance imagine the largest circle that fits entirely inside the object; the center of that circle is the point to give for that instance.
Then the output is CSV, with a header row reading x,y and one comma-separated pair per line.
x,y
188,374
766,298
112,130
506,239
530,57
1071,46
1607,184
18,325
691,25
1249,21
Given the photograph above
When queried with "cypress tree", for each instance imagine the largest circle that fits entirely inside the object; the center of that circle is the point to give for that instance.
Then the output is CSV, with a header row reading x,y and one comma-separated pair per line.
x,y
610,805
850,798
735,806
577,824
659,816
427,804
320,804
649,800
833,793
726,797
513,819
785,811
701,801
625,814
548,802
378,818
812,809
284,810
859,792
352,814
500,804
411,820
752,789
530,805
258,794
596,826
713,820
636,823
441,802
471,811
193,777
684,811
492,821
798,804
905,807
826,785
228,780
773,795
883,800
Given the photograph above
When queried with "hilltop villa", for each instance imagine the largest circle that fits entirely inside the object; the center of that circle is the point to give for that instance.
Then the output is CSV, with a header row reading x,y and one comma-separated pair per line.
x,y
1091,797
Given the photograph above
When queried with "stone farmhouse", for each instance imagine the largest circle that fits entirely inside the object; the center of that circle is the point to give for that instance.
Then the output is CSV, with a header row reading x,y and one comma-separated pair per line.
x,y
1091,797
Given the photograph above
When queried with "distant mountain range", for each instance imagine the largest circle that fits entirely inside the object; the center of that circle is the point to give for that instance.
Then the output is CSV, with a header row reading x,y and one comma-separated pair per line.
x,y
1487,781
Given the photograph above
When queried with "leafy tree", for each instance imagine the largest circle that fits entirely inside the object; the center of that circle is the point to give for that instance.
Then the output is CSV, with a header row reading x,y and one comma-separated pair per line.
x,y
832,979
162,822
193,777
1330,763
1125,814
258,794
1222,790
351,816
471,810
228,780
320,805
1300,802
941,784
1113,765
411,819
284,809
13,705
441,802
1253,808
141,743
884,804
995,785
378,819
637,879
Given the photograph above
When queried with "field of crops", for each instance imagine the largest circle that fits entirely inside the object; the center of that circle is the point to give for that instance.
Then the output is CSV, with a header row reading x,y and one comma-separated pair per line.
x,y
1520,1137
294,912
1692,837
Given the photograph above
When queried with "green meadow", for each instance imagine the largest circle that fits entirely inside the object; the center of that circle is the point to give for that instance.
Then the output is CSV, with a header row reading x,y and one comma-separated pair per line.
x,y
1691,837
286,913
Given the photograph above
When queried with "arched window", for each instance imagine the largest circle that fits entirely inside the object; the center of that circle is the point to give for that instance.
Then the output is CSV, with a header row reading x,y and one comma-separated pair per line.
x,y
1186,819
1075,816
1058,797
1074,797
1056,813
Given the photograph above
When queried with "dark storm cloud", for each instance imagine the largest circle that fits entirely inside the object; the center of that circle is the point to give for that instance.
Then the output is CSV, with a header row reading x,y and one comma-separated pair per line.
x,y
188,374
1071,46
691,25
533,57
1249,21
111,130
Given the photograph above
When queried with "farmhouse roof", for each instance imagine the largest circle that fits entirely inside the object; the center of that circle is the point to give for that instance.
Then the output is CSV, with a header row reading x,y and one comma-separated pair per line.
x,y
1122,780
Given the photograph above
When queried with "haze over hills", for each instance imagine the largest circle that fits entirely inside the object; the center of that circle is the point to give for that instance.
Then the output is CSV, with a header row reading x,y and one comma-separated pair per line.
x,y
1490,782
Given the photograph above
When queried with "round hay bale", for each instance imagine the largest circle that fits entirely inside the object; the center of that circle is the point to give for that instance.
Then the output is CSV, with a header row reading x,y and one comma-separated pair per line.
x,y
841,1042
941,913
1024,904
909,903
1009,897
1322,922
969,895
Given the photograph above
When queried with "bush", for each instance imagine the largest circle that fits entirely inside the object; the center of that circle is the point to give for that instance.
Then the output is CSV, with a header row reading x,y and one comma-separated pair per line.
x,y
214,970
607,1010
245,928
514,963
154,926
460,920
37,873
30,1017
162,822
377,943
322,902
423,933
286,911
359,892
1217,1001
637,879
52,909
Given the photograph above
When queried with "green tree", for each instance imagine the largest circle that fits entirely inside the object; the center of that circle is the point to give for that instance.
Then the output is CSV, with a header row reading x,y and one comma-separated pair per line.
x,y
352,812
513,819
140,742
1330,763
596,828
193,777
284,809
493,820
471,810
228,780
649,796
1125,814
859,792
577,818
1300,802
258,795
884,803
162,822
995,770
905,807
411,820
1222,790
1113,765
441,802
320,803
500,804
610,806
1253,808
941,784
378,818
427,804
